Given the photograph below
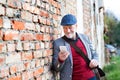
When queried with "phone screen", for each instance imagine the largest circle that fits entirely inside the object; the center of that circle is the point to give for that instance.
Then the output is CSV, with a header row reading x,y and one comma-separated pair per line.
x,y
63,48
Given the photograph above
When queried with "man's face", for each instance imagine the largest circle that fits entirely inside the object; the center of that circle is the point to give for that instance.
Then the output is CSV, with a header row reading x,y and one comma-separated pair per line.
x,y
70,31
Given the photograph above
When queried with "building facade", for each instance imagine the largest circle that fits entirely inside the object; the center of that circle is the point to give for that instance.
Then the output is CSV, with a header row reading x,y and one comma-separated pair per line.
x,y
28,28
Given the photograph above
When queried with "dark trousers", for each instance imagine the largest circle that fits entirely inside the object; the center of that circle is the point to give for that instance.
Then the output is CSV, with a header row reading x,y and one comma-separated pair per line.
x,y
93,78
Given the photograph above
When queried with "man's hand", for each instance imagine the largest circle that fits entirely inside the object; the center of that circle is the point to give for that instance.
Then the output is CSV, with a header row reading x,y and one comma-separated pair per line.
x,y
63,55
93,63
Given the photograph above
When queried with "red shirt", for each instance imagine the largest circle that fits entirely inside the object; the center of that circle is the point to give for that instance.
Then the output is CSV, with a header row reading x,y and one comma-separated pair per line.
x,y
81,71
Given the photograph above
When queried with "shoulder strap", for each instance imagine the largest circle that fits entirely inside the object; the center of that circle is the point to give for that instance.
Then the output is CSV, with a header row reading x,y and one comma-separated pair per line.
x,y
78,50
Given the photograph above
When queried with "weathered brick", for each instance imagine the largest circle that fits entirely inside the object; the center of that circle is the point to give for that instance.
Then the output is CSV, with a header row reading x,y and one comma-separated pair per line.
x,y
42,62
47,44
20,67
38,3
32,46
46,37
27,75
37,54
44,13
19,46
27,0
42,29
48,22
26,46
2,59
29,26
36,10
9,12
37,27
14,3
26,6
2,10
1,22
27,65
47,52
3,1
13,69
38,78
26,16
37,46
38,71
47,30
4,71
12,58
27,56
6,23
27,36
11,35
42,44
35,18
11,47
1,47
32,65
37,63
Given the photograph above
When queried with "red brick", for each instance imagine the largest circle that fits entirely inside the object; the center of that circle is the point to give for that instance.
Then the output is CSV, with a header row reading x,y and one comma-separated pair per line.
x,y
27,65
18,77
37,63
36,10
38,72
39,37
37,46
1,47
42,29
2,59
44,13
37,54
1,22
47,52
13,69
48,22
55,17
27,56
18,25
46,37
27,36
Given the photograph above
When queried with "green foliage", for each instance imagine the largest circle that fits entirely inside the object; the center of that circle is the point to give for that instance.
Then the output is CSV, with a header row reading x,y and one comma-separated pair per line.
x,y
113,70
113,30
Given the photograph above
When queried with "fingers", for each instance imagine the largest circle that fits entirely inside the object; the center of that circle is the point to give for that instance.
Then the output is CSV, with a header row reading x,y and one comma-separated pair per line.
x,y
93,63
63,55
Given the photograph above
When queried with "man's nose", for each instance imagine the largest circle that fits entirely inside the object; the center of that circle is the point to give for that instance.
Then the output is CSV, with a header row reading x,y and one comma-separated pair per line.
x,y
68,30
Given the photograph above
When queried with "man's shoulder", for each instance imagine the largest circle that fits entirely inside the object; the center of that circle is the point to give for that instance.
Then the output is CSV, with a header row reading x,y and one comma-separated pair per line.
x,y
82,35
58,39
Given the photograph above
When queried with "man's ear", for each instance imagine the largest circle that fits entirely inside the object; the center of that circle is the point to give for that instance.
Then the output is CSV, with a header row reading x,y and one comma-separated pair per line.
x,y
76,25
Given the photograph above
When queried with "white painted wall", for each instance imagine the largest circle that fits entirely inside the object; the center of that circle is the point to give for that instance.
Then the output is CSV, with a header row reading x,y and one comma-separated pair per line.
x,y
80,16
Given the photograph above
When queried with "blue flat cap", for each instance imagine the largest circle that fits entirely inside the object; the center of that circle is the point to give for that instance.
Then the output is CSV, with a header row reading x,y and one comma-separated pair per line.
x,y
68,19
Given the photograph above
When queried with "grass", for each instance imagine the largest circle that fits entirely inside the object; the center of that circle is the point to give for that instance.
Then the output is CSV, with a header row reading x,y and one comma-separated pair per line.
x,y
113,69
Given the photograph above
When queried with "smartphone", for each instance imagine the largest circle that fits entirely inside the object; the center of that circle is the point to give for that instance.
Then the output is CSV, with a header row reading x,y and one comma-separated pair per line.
x,y
63,48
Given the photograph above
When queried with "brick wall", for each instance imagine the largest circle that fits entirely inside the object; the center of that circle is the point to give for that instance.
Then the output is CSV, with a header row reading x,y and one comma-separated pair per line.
x,y
27,29
87,16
